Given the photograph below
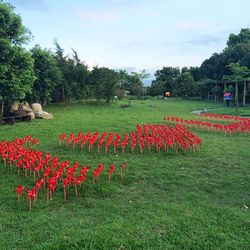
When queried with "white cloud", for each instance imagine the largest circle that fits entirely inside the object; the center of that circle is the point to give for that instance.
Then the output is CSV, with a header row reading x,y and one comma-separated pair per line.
x,y
98,15
193,26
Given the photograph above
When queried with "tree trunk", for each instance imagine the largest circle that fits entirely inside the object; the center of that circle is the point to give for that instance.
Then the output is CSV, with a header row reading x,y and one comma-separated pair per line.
x,y
63,94
244,93
1,108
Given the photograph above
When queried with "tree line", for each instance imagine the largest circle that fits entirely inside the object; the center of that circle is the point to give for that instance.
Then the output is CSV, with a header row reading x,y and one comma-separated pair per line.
x,y
45,75
42,75
216,75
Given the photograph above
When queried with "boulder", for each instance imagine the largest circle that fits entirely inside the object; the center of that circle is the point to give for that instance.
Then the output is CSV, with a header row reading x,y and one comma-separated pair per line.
x,y
43,115
24,109
36,107
32,115
14,107
39,113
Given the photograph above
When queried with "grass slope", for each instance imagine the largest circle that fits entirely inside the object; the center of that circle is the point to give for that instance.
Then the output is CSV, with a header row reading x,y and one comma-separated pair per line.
x,y
165,201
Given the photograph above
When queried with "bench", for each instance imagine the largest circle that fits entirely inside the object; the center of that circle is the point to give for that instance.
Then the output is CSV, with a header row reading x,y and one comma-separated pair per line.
x,y
11,120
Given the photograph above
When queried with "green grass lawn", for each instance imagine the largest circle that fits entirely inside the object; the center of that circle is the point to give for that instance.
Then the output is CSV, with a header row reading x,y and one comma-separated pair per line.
x,y
165,201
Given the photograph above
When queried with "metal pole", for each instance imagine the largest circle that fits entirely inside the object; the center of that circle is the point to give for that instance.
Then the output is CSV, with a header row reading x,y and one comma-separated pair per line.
x,y
225,86
236,97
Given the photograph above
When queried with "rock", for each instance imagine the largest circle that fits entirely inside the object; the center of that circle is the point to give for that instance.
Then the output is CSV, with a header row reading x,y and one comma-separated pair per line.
x,y
14,107
43,115
27,109
32,115
20,111
36,107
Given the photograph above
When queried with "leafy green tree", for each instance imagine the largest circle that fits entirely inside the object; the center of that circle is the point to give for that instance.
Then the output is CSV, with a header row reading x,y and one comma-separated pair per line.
x,y
136,85
48,75
157,88
103,82
203,87
184,84
123,84
75,74
80,75
167,74
62,92
196,73
237,51
16,64
238,74
162,77
123,80
242,37
214,67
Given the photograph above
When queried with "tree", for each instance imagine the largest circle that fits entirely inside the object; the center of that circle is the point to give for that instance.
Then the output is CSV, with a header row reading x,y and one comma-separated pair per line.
x,y
237,51
196,73
62,92
203,87
123,80
162,78
103,83
238,74
75,74
16,64
184,84
80,74
157,88
136,85
48,75
167,74
242,37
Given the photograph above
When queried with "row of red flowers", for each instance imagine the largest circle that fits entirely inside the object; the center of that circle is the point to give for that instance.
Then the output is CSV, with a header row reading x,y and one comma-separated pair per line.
x,y
48,172
236,125
219,117
146,136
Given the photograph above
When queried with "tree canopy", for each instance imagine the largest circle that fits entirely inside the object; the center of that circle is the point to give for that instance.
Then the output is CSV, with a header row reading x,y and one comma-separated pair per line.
x,y
16,64
46,75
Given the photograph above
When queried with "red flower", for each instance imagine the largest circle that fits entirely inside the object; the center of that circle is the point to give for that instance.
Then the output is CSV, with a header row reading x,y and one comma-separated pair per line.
x,y
108,141
92,140
84,170
31,194
65,182
116,142
124,142
100,167
35,141
123,166
100,140
19,190
39,184
110,171
62,136
76,181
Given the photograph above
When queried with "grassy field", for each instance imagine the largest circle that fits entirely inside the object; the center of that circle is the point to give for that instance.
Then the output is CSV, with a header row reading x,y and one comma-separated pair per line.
x,y
165,201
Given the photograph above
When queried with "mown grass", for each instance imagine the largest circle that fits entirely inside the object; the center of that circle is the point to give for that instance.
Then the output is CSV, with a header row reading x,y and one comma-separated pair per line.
x,y
165,201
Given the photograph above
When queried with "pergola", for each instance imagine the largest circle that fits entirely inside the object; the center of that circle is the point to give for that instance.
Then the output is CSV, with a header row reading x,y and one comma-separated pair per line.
x,y
236,83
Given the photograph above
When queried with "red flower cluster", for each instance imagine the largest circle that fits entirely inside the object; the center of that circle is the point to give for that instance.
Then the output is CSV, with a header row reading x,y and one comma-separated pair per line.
x,y
235,124
48,172
145,136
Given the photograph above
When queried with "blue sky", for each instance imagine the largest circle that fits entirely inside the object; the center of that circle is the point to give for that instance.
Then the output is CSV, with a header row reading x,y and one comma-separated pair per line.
x,y
135,34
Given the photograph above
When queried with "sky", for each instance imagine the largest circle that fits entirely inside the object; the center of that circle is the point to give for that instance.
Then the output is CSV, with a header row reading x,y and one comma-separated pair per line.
x,y
135,34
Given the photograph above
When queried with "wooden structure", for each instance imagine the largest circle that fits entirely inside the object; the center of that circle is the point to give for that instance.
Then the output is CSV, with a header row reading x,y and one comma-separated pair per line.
x,y
11,120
